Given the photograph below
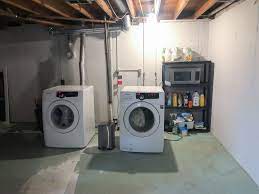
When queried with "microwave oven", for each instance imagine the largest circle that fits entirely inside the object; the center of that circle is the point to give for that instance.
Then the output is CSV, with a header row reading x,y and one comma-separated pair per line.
x,y
185,75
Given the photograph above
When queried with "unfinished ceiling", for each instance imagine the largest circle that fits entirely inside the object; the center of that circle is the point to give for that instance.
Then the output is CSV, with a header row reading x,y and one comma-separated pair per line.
x,y
69,13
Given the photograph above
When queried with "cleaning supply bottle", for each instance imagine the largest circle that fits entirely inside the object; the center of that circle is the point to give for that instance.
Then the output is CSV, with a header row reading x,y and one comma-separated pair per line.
x,y
180,100
196,99
174,100
169,100
202,100
185,100
163,54
189,100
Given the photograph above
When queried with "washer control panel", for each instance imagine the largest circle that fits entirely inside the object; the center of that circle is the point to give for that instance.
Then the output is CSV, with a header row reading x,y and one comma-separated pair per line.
x,y
62,94
143,96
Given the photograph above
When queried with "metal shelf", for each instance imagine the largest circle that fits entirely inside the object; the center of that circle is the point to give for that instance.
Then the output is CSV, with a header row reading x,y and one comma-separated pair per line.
x,y
206,86
186,62
187,85
186,108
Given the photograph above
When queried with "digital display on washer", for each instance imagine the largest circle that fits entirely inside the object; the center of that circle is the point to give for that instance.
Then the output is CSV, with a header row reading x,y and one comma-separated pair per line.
x,y
143,96
61,94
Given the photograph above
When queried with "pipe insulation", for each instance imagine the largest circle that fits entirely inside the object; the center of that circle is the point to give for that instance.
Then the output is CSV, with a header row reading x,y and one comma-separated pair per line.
x,y
82,59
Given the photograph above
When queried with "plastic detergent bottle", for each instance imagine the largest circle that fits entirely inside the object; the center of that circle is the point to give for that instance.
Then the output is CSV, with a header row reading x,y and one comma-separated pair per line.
x,y
163,54
174,100
169,99
189,100
202,100
185,100
196,99
180,100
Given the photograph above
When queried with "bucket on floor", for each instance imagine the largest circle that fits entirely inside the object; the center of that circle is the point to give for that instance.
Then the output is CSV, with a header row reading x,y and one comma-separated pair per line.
x,y
106,136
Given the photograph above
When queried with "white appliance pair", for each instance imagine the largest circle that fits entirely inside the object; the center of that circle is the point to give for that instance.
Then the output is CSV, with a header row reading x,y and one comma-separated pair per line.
x,y
142,119
68,116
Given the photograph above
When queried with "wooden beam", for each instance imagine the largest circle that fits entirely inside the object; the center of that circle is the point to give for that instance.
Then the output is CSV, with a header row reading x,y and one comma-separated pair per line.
x,y
22,4
54,6
105,7
131,8
222,7
81,10
45,22
181,4
206,6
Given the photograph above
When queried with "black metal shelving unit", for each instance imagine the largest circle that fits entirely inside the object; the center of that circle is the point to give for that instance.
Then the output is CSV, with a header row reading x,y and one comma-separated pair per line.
x,y
206,86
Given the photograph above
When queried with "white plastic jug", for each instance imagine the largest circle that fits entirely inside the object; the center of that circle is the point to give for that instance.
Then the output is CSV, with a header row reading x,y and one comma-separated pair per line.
x,y
196,99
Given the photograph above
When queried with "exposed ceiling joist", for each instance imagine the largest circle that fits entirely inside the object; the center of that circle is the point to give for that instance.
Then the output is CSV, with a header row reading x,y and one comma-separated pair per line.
x,y
75,13
181,4
81,10
45,22
206,6
131,8
105,7
54,6
217,10
22,4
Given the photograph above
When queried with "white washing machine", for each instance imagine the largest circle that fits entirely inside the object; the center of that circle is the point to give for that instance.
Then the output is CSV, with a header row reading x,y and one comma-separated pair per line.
x,y
68,116
142,119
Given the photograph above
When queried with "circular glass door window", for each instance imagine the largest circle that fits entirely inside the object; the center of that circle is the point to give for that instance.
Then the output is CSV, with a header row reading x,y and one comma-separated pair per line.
x,y
62,116
141,119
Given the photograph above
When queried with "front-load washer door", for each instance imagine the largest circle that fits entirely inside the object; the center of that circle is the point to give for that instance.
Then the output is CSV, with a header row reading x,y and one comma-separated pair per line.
x,y
141,119
63,116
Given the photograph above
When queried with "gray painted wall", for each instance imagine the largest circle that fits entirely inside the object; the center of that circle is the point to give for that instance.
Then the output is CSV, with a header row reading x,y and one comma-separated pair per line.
x,y
234,48
30,57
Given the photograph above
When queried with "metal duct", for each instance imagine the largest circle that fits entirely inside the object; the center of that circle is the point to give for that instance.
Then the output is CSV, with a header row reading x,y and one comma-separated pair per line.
x,y
120,6
82,59
222,7
126,23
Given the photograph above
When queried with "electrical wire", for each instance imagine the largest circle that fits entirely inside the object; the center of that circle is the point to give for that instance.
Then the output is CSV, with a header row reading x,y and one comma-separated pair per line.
x,y
117,68
156,67
117,17
143,55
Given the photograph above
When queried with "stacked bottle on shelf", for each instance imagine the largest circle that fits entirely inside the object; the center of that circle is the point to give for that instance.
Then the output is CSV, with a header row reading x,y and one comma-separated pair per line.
x,y
187,100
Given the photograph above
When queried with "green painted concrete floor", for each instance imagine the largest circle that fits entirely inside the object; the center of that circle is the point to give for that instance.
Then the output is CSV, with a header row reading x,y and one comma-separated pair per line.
x,y
197,164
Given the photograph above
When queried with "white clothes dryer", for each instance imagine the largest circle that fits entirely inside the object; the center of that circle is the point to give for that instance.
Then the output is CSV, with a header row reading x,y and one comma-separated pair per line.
x,y
68,116
142,119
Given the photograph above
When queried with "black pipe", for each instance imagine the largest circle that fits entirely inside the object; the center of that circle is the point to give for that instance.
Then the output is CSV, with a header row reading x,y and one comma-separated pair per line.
x,y
108,68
